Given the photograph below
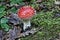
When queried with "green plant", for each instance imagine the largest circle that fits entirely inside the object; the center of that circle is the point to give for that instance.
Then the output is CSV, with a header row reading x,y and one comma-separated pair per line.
x,y
2,11
13,2
4,25
50,25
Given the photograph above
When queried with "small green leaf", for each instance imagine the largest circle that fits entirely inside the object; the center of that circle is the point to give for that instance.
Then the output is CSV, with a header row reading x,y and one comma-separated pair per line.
x,y
14,10
2,13
2,8
4,20
15,2
5,27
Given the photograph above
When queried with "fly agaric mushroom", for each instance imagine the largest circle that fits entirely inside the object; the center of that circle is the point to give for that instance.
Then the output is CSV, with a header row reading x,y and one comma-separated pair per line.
x,y
26,13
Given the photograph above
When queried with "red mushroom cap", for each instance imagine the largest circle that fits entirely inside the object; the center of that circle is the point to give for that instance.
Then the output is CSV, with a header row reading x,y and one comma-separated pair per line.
x,y
26,12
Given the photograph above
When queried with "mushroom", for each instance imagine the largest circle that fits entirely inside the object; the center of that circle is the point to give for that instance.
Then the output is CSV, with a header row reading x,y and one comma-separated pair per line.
x,y
25,13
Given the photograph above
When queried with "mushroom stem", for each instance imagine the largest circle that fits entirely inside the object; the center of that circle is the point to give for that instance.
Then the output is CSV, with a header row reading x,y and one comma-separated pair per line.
x,y
26,24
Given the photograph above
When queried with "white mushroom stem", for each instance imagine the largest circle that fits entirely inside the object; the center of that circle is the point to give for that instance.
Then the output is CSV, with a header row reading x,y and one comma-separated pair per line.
x,y
26,24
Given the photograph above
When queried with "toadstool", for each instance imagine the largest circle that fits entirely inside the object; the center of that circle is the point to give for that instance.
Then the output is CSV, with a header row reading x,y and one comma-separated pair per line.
x,y
26,13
